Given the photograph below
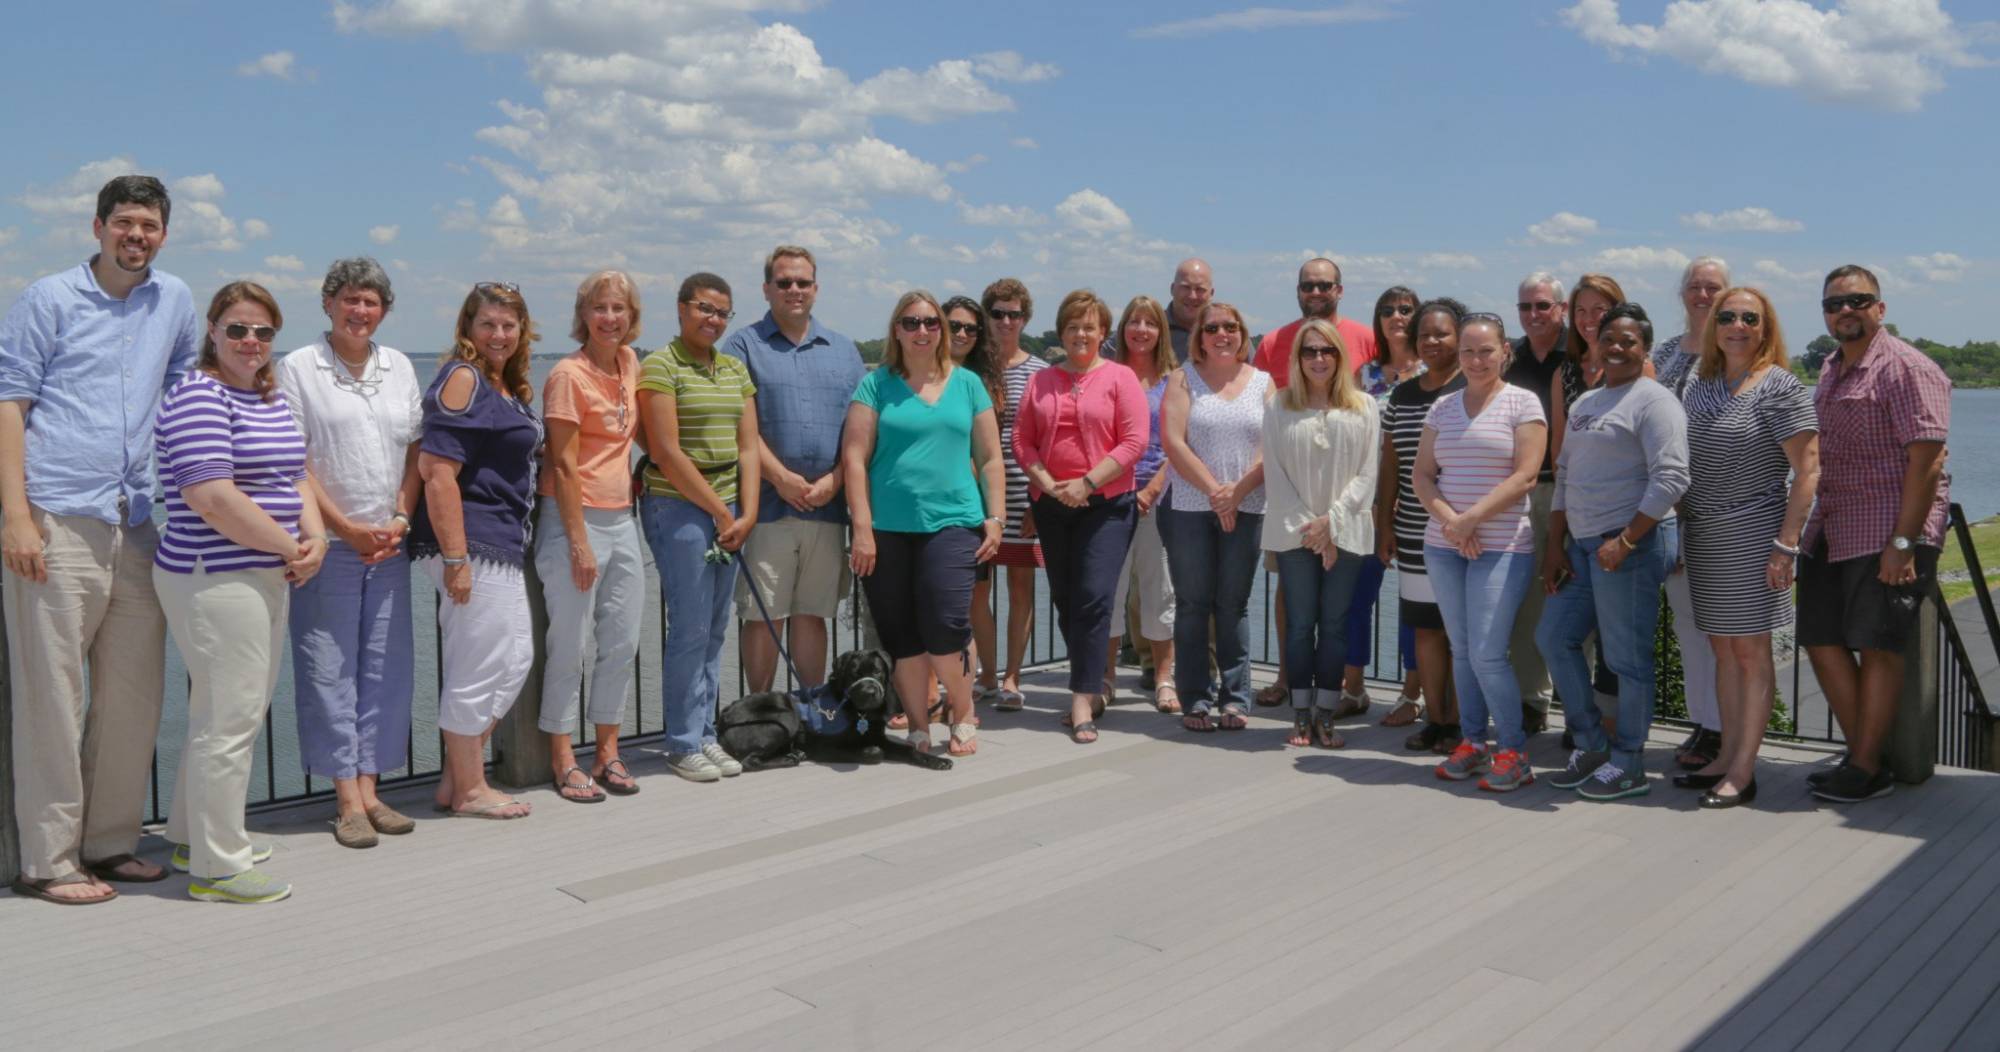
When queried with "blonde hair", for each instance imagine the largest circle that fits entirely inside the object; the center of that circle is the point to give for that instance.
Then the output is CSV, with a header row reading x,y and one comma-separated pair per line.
x,y
1198,344
1770,352
1343,392
1164,361
579,326
892,351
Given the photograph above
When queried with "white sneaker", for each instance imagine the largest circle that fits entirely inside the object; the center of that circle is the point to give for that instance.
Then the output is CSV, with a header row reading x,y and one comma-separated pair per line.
x,y
723,762
694,767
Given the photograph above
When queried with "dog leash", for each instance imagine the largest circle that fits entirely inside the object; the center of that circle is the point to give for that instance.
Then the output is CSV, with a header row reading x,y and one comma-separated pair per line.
x,y
765,613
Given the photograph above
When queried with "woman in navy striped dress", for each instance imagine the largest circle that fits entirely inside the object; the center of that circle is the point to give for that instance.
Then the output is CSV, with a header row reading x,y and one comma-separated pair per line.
x,y
1753,444
239,531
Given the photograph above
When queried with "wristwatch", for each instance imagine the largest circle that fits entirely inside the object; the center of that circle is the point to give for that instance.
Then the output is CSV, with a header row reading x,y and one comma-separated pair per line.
x,y
1901,543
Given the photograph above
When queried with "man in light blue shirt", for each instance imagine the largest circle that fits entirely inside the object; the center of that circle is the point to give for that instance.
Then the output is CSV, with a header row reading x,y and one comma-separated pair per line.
x,y
797,557
85,356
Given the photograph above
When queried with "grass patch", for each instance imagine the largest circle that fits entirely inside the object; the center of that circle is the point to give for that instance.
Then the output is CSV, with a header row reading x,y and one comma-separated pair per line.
x,y
1985,541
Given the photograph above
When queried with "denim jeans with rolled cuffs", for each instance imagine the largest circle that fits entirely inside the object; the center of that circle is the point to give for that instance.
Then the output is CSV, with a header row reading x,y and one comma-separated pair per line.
x,y
1479,598
1318,602
1212,571
1623,607
699,595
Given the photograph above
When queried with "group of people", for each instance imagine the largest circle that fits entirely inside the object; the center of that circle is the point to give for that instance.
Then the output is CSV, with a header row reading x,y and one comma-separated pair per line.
x,y
1533,494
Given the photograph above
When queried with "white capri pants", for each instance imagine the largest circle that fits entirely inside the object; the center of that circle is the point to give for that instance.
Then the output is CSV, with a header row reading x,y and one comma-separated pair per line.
x,y
598,628
489,646
1146,561
1697,655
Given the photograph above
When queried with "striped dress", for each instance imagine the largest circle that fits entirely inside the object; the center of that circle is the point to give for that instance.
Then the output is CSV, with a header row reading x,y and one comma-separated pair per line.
x,y
1476,454
209,430
1403,423
1015,551
1736,501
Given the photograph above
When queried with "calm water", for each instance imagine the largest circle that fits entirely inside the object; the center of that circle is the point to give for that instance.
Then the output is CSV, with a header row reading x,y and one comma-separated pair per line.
x,y
1974,465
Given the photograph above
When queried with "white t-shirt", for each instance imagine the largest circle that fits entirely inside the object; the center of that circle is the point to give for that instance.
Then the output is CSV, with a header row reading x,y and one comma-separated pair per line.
x,y
358,432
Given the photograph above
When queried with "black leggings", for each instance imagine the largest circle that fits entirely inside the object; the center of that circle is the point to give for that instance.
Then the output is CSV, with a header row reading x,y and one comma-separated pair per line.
x,y
1083,552
921,590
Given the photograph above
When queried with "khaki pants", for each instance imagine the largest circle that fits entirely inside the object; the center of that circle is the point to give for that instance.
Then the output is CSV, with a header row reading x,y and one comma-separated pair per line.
x,y
81,773
230,629
1529,671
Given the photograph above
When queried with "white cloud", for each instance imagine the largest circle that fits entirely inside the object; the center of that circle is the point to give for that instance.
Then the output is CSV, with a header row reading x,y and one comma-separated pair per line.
x,y
256,229
1758,220
197,221
1772,270
1939,266
1883,54
966,165
999,215
1010,66
383,235
1563,228
1639,257
276,64
205,187
291,263
1092,212
1257,18
1024,142
1449,261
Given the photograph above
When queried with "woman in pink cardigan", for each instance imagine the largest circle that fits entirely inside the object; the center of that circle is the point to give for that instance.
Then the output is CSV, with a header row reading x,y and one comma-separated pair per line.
x,y
1078,431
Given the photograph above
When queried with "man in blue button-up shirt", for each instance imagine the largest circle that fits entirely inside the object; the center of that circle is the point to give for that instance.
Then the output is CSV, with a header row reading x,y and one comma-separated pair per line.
x,y
797,557
85,356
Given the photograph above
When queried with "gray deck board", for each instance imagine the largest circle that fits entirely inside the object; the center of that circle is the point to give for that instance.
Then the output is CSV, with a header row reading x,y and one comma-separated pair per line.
x,y
1156,890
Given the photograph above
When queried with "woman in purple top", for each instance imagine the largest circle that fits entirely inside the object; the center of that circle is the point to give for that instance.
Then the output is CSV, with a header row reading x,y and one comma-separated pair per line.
x,y
1141,344
477,459
238,530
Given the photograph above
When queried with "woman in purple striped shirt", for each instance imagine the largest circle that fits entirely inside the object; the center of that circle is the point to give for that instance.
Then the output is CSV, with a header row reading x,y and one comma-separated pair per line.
x,y
239,528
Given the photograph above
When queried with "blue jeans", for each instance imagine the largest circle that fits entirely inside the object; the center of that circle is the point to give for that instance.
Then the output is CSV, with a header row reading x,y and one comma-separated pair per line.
x,y
1212,571
353,665
1623,608
699,597
1478,599
1319,601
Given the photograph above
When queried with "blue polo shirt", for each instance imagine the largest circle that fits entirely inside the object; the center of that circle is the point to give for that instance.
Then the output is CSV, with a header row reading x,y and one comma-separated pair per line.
x,y
92,369
802,395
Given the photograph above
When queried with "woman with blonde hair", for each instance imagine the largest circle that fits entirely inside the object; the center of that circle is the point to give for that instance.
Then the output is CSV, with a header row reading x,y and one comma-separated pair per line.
x,y
1141,342
1753,439
1321,438
588,552
1212,427
477,458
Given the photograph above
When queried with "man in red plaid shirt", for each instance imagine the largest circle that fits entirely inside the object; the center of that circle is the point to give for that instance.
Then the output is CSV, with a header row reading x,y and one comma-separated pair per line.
x,y
1871,546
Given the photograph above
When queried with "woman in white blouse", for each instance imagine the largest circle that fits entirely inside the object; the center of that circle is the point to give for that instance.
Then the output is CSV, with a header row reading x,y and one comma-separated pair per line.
x,y
360,407
1321,434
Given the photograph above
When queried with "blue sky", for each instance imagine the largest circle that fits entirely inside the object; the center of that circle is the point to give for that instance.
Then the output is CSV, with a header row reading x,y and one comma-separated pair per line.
x,y
1447,144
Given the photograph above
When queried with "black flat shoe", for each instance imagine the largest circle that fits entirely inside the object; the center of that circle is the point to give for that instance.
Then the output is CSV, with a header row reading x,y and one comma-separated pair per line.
x,y
1712,801
1691,780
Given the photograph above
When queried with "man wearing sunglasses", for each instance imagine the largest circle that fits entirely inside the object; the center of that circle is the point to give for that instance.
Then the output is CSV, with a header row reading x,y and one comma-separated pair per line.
x,y
85,356
805,373
1538,357
1870,549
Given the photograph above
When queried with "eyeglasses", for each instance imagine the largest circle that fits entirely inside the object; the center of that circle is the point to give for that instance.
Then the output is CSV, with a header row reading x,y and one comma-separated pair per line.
x,y
1307,354
240,331
911,323
1537,307
707,311
1220,326
497,286
1729,317
1852,301
965,328
1006,315
365,386
1394,309
1318,286
788,284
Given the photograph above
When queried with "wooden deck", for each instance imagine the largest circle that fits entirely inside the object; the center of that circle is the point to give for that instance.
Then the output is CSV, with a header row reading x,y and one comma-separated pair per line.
x,y
1155,890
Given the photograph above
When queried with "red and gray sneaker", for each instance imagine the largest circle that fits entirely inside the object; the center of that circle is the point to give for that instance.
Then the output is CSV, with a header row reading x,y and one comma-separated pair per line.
x,y
1466,761
1510,772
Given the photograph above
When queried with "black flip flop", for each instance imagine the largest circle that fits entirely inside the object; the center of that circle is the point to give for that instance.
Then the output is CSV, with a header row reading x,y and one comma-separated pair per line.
x,y
631,786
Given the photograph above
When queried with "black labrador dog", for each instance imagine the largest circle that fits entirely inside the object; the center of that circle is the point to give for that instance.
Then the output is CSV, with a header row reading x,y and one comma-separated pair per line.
x,y
844,722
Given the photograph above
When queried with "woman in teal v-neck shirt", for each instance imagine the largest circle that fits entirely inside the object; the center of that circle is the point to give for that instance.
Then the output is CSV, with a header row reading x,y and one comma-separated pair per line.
x,y
922,520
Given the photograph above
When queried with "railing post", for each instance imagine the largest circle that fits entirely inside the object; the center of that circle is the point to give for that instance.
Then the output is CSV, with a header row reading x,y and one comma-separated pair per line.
x,y
520,749
10,839
1913,741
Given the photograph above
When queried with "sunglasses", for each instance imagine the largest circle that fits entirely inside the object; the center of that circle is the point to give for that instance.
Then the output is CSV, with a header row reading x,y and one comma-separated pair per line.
x,y
1318,286
1537,307
965,328
1852,301
1220,326
239,331
497,286
912,323
1730,317
1483,316
788,284
1006,315
1395,309
707,311
1307,354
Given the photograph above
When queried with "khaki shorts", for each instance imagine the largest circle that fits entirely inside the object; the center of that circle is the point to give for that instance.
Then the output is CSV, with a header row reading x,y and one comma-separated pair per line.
x,y
800,566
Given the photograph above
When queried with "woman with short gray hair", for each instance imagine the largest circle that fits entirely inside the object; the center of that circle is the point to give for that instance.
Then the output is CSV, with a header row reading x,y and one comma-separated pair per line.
x,y
360,408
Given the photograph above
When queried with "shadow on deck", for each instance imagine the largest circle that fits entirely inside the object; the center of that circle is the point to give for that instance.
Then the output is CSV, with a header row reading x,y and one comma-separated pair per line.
x,y
1156,889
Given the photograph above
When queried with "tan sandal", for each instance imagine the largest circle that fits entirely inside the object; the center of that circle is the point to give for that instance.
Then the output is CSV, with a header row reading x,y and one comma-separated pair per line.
x,y
1167,699
1405,713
